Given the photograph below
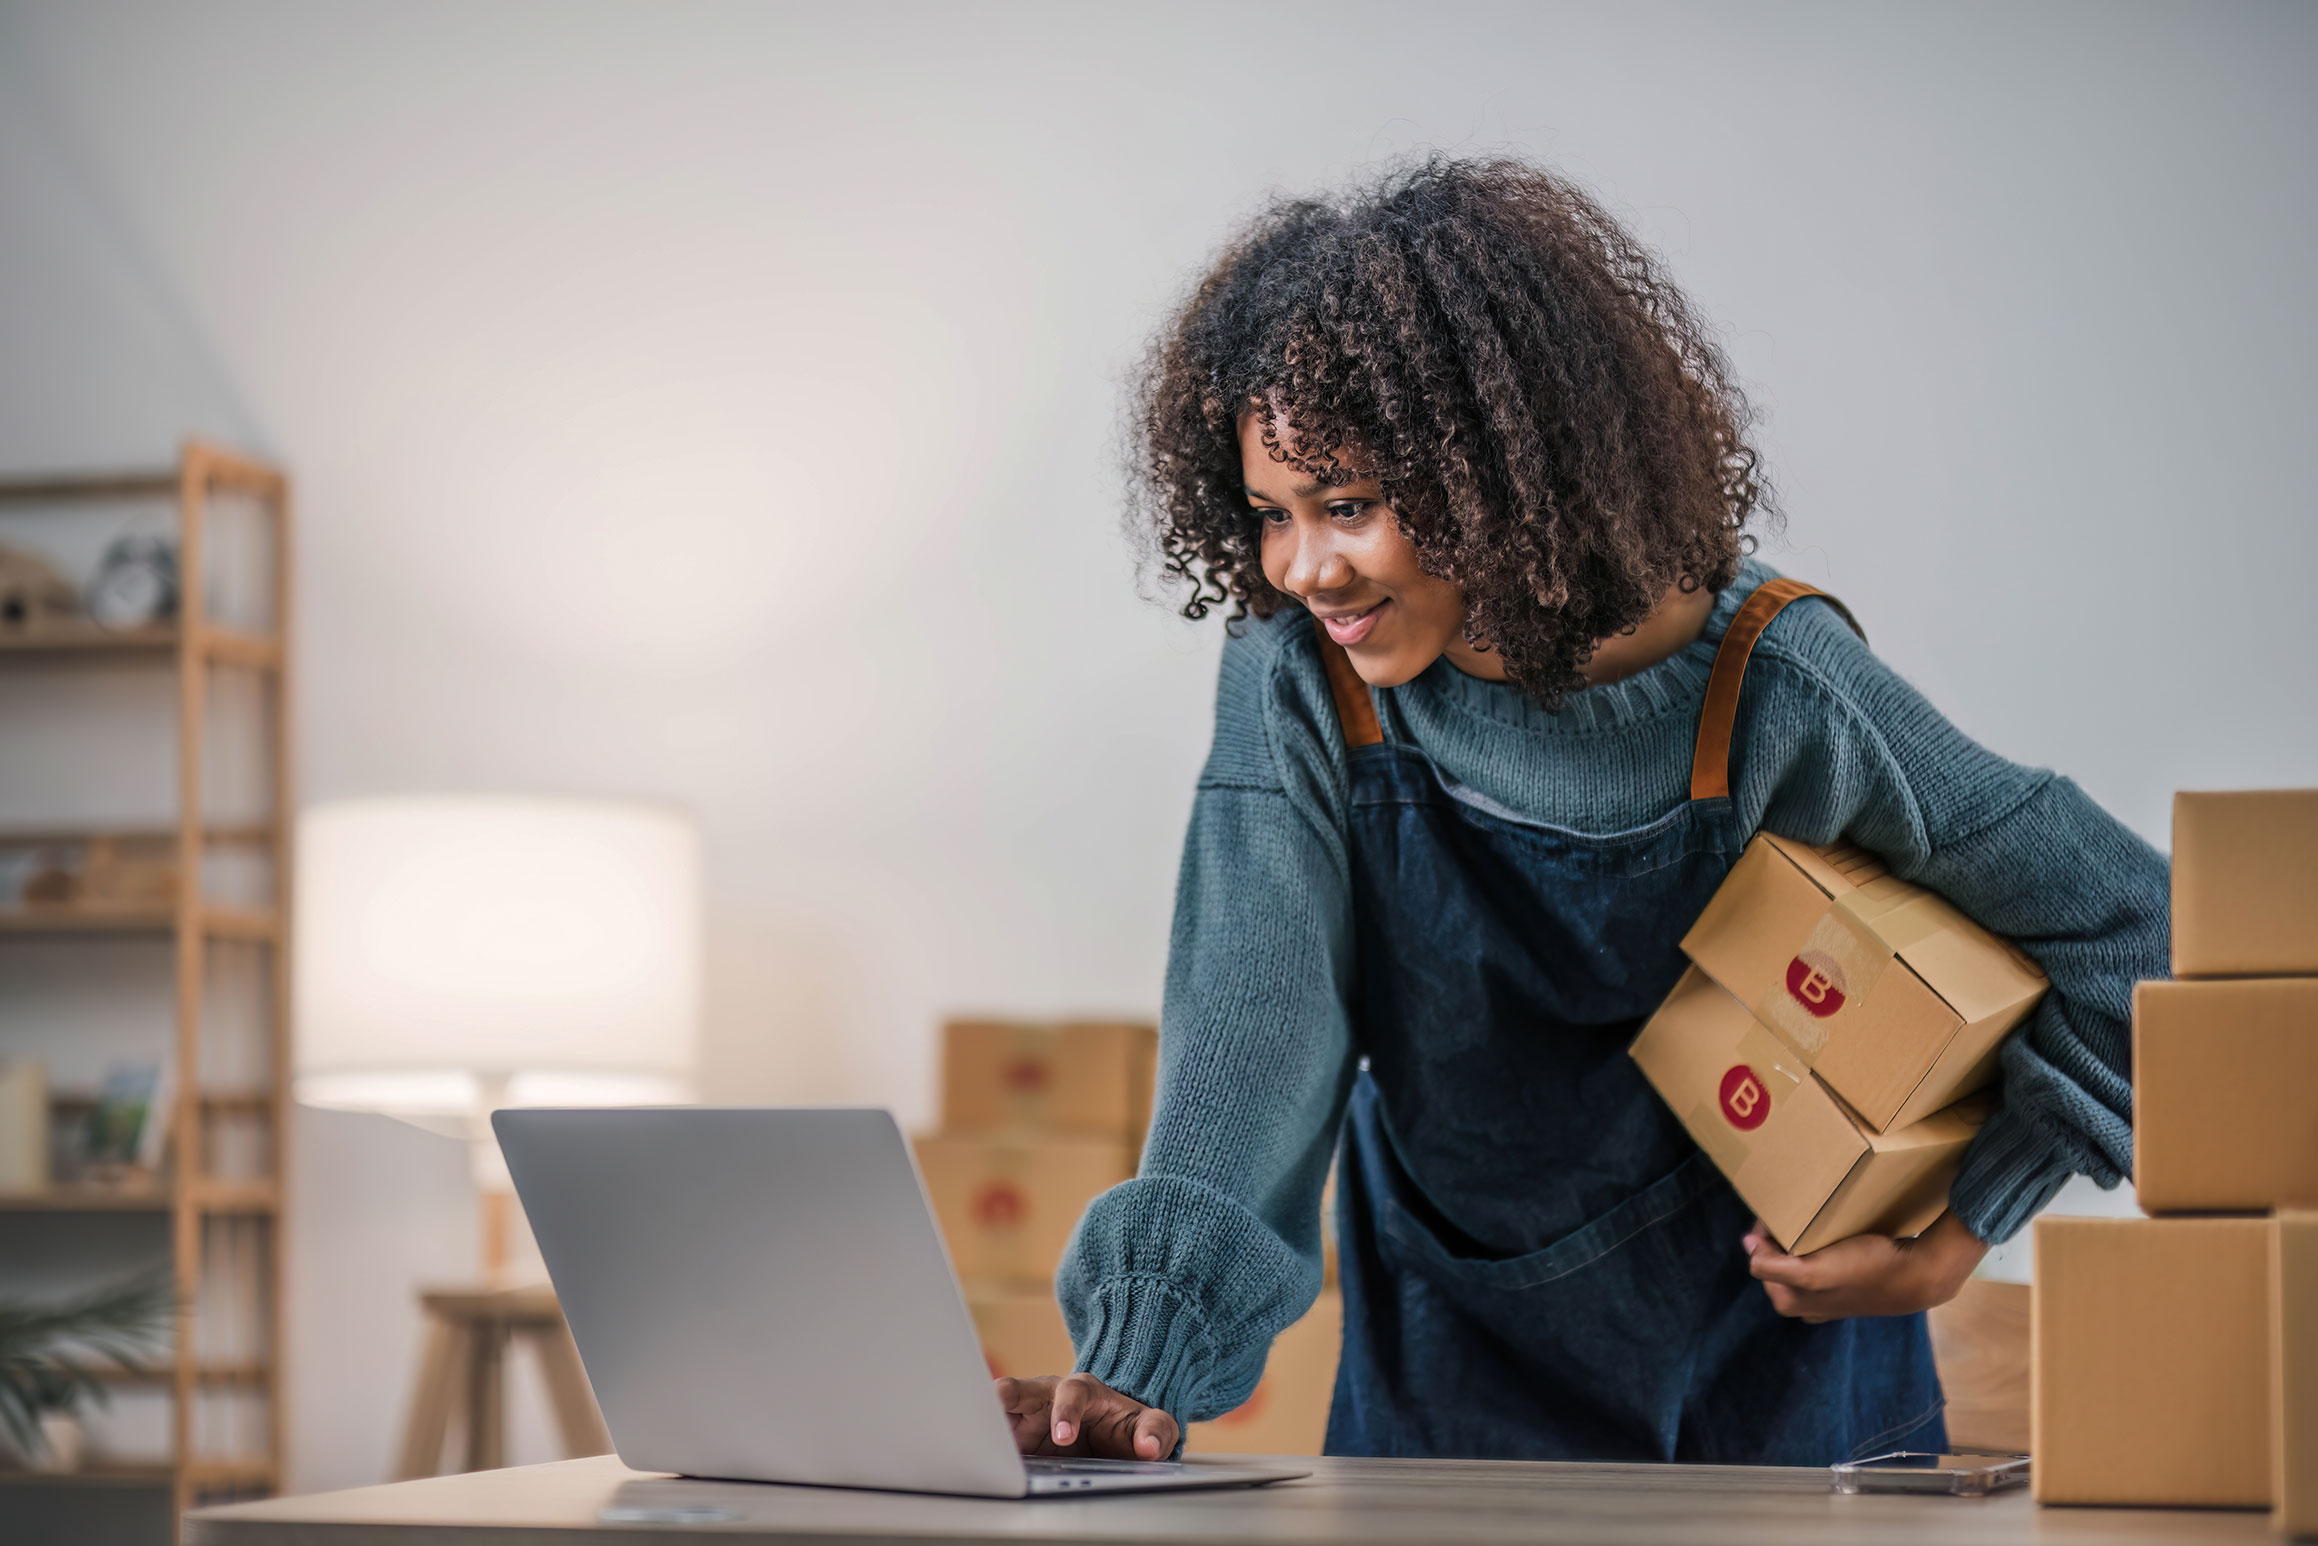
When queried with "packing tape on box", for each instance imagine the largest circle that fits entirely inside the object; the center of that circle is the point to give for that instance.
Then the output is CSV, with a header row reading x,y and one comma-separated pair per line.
x,y
1776,1069
1839,964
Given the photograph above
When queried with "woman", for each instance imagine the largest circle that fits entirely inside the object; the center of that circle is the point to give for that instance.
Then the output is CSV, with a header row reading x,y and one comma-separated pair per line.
x,y
1478,481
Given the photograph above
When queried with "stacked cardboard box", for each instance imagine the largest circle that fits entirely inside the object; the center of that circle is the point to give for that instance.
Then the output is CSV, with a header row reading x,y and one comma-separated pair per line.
x,y
1037,1121
2176,1357
1827,1041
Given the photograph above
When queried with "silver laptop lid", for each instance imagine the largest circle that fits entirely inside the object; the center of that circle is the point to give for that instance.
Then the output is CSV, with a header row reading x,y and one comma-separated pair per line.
x,y
762,1295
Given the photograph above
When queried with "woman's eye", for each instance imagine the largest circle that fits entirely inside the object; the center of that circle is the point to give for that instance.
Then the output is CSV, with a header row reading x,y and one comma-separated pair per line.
x,y
1350,509
1271,517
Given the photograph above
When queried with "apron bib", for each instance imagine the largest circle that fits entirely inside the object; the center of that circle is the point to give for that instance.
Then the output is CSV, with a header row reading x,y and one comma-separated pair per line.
x,y
1537,1261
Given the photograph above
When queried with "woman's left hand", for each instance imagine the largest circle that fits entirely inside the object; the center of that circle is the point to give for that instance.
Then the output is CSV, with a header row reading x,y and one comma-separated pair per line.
x,y
1866,1274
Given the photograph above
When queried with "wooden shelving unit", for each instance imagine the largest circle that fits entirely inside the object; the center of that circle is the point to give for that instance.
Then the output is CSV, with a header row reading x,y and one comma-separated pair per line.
x,y
196,647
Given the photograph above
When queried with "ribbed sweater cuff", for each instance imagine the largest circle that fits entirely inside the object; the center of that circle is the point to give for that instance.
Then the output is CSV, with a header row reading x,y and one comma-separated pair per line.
x,y
1148,1342
2011,1171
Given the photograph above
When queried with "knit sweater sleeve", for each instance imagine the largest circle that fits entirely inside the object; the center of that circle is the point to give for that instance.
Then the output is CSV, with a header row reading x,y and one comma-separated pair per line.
x,y
1846,747
1176,1282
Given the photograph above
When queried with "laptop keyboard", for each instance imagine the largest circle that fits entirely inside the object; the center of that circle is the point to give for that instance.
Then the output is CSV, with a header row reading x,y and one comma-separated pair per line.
x,y
1076,1465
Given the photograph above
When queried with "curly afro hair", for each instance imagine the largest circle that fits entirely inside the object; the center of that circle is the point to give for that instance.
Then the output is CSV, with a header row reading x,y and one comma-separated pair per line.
x,y
1552,425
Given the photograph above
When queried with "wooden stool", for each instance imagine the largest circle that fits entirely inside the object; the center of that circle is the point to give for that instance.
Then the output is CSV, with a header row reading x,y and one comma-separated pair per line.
x,y
465,1367
1980,1342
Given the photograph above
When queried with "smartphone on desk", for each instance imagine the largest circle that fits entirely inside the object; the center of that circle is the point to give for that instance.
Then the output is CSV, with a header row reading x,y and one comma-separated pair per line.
x,y
1908,1470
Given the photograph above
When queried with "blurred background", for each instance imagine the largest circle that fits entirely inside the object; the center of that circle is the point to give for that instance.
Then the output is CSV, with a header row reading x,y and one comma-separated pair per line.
x,y
716,405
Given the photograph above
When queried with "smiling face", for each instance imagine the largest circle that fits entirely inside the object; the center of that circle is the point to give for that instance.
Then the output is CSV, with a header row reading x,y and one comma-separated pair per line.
x,y
1338,549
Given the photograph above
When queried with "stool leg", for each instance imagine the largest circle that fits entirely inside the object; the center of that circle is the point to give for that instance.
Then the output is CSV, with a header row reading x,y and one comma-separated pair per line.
x,y
486,1398
576,1416
442,1371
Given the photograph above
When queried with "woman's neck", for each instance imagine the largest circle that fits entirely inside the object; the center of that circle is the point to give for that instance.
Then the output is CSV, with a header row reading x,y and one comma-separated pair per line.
x,y
1679,618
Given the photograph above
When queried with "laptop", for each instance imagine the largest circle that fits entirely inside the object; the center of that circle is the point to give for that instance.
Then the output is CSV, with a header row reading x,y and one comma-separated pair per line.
x,y
763,1295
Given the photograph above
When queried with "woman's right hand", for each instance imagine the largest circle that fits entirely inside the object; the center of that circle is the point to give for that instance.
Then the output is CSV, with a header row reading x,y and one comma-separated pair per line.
x,y
1077,1414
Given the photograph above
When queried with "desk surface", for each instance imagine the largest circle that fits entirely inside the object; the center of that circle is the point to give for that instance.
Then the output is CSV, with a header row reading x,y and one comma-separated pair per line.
x,y
1369,1502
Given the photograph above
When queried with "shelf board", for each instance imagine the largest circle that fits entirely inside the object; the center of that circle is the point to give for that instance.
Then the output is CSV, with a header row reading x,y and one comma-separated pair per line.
x,y
245,923
73,488
243,832
204,1374
82,638
120,1476
220,646
88,1199
255,1471
209,1197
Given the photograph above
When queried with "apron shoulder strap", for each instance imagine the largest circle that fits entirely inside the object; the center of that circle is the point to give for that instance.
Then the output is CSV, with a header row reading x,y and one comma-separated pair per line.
x,y
1710,761
1355,709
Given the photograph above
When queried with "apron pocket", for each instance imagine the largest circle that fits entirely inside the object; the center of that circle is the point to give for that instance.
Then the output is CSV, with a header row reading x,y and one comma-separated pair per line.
x,y
1661,1200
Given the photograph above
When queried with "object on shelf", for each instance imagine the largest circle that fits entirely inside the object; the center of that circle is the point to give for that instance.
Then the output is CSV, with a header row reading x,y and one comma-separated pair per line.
x,y
125,1128
2245,883
33,596
136,585
53,1359
1802,1159
105,873
23,1127
1896,1000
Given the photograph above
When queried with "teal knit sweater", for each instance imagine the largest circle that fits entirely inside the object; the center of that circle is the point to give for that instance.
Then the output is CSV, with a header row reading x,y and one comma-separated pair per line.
x,y
1176,1282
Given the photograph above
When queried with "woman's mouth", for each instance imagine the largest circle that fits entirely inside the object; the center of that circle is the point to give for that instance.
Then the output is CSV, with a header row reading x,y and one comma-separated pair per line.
x,y
1349,628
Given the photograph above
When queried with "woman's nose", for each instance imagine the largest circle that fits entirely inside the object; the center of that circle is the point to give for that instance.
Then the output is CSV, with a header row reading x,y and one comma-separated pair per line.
x,y
1319,565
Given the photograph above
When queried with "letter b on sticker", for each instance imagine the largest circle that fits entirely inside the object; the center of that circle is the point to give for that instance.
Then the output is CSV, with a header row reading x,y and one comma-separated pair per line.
x,y
1815,985
1746,1100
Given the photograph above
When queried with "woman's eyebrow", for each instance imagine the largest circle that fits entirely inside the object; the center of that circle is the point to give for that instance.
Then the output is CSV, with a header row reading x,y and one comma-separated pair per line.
x,y
1301,490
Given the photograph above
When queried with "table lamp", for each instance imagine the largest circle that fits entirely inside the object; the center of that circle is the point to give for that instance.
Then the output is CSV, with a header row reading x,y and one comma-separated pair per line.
x,y
457,954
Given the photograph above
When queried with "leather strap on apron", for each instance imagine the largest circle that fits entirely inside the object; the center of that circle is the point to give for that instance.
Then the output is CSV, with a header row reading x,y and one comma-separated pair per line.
x,y
1355,709
1709,760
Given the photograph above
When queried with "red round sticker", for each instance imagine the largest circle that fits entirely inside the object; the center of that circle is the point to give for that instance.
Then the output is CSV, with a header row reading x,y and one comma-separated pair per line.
x,y
998,1205
1746,1100
1814,983
1025,1076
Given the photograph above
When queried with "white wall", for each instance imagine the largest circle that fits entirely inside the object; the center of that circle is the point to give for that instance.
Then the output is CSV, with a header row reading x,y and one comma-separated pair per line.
x,y
716,402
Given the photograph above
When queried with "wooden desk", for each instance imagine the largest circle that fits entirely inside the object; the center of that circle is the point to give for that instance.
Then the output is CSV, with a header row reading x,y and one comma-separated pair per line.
x,y
1375,1502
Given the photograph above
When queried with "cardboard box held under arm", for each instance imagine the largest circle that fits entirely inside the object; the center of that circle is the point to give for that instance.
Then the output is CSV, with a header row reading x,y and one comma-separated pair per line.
x,y
1896,1000
2245,883
2225,1094
1805,1163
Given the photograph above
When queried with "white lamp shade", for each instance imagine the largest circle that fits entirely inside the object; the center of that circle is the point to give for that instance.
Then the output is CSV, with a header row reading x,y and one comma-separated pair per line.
x,y
446,944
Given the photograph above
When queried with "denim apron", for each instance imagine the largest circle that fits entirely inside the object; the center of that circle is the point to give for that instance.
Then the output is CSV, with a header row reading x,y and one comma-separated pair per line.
x,y
1538,1263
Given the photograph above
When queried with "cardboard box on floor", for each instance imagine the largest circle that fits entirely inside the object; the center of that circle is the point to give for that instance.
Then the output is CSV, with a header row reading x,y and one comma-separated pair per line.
x,y
1896,1000
1080,1077
2225,1094
1287,1412
1809,1166
2245,883
1007,1205
2151,1342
